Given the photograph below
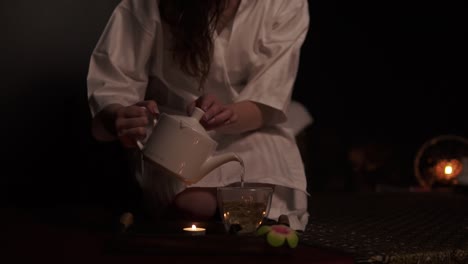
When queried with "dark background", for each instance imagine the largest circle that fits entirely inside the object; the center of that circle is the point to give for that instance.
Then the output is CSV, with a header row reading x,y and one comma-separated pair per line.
x,y
382,76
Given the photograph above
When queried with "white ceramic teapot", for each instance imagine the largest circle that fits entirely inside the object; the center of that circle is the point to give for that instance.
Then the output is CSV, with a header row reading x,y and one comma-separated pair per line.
x,y
181,145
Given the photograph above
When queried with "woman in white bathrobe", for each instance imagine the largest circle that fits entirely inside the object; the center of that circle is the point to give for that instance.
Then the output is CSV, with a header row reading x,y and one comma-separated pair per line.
x,y
237,60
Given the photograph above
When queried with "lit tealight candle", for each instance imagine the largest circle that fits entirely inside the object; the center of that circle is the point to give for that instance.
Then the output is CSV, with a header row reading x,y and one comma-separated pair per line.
x,y
195,231
448,170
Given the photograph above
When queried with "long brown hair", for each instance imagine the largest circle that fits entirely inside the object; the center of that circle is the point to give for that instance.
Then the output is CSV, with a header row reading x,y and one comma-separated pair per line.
x,y
192,23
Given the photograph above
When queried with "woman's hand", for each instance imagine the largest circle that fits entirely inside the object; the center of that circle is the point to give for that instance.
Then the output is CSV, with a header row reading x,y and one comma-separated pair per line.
x,y
131,122
216,115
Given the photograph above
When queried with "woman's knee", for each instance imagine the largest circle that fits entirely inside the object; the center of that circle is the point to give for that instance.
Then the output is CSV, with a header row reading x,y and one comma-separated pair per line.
x,y
196,203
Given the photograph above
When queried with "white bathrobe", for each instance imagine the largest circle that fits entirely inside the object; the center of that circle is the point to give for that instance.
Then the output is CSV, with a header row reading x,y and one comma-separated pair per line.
x,y
256,58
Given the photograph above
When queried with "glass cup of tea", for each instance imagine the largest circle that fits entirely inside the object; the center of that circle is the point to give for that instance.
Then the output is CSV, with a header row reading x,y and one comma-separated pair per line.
x,y
243,208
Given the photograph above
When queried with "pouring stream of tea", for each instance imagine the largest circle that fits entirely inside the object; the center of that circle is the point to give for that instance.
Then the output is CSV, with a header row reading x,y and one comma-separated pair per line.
x,y
241,162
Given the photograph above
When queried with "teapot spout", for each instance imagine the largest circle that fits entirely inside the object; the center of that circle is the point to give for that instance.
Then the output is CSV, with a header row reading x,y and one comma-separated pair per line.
x,y
214,162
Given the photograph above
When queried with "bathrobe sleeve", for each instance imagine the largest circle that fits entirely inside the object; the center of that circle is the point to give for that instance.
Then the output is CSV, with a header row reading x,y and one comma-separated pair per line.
x,y
272,79
118,70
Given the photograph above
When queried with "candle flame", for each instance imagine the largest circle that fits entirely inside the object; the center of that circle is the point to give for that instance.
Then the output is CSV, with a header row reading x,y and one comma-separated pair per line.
x,y
194,227
448,169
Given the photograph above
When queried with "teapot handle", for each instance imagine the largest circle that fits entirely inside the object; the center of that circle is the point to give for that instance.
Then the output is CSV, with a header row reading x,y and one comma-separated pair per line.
x,y
149,129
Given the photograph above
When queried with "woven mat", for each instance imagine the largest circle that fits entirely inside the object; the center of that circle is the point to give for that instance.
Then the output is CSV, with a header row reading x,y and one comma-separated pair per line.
x,y
391,227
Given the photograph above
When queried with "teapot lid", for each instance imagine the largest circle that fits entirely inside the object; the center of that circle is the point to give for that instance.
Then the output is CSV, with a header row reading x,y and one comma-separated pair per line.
x,y
198,113
193,121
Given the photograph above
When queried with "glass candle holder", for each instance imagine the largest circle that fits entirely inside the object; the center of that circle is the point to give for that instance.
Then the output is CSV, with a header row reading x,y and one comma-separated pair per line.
x,y
439,161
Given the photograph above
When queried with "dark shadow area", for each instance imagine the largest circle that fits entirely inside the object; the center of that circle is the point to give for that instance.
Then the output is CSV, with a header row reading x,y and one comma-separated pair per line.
x,y
380,80
49,156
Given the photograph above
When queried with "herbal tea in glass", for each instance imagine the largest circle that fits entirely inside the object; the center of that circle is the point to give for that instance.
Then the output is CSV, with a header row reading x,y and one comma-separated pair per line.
x,y
244,207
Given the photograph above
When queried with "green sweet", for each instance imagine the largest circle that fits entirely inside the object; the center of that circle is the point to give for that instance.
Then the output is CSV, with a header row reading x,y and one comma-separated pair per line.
x,y
277,235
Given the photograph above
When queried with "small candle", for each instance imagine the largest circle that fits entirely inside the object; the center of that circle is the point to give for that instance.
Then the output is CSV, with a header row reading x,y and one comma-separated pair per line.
x,y
195,231
448,170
